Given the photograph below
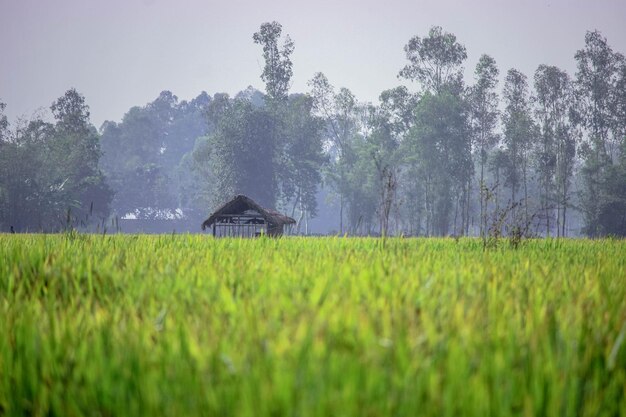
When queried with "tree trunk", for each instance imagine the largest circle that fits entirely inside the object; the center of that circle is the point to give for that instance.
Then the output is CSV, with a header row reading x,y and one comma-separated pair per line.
x,y
466,210
456,211
483,218
525,194
341,213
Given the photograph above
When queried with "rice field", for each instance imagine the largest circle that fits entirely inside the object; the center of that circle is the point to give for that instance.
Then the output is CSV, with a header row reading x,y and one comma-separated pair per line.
x,y
191,325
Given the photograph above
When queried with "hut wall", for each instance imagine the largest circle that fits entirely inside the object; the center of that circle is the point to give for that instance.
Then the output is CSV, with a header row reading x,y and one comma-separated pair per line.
x,y
239,230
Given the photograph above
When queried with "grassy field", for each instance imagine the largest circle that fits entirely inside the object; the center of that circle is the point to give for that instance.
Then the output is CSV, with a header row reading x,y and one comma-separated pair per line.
x,y
189,325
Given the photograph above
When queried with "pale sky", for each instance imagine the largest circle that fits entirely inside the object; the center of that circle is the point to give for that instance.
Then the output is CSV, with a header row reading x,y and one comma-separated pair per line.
x,y
122,53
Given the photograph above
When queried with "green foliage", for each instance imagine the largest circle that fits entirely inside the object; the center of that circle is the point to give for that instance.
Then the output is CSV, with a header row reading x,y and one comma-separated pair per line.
x,y
434,61
277,71
612,208
266,147
48,170
483,103
301,156
415,163
439,143
189,325
197,178
520,132
598,92
143,152
272,154
242,151
339,111
555,153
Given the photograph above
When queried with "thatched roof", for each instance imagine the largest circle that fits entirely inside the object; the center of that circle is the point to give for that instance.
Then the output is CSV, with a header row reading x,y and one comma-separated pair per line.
x,y
240,204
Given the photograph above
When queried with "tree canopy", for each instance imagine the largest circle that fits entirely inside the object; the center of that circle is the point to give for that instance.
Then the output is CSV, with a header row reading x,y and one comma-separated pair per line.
x,y
438,154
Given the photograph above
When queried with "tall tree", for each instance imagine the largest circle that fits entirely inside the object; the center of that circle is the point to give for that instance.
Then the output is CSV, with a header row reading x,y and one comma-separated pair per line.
x,y
277,71
556,149
297,140
339,112
519,135
77,143
384,147
484,119
301,159
439,145
398,190
596,81
434,61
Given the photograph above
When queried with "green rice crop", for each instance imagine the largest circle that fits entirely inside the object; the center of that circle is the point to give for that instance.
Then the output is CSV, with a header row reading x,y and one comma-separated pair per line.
x,y
191,325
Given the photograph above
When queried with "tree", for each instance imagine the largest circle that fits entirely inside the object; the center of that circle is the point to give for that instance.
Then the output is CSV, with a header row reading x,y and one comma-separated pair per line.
x,y
339,112
277,71
612,210
596,81
498,164
133,163
71,112
297,141
618,104
49,176
483,101
440,154
77,144
519,134
612,188
434,61
439,146
142,154
384,150
392,123
197,180
557,146
397,107
243,152
301,157
22,180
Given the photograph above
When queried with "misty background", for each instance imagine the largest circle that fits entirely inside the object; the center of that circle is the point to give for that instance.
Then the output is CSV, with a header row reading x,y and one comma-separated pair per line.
x,y
492,110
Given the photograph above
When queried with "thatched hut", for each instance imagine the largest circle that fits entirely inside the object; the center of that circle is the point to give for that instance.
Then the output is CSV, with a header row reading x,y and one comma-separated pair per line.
x,y
243,217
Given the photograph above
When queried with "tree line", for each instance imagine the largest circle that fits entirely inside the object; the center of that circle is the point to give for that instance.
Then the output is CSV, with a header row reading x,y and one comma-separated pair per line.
x,y
544,156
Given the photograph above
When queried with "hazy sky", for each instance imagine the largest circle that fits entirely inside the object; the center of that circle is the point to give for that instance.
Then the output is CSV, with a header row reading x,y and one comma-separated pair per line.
x,y
121,53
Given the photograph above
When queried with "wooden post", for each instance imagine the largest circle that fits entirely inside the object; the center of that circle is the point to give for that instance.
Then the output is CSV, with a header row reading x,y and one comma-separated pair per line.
x,y
213,229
